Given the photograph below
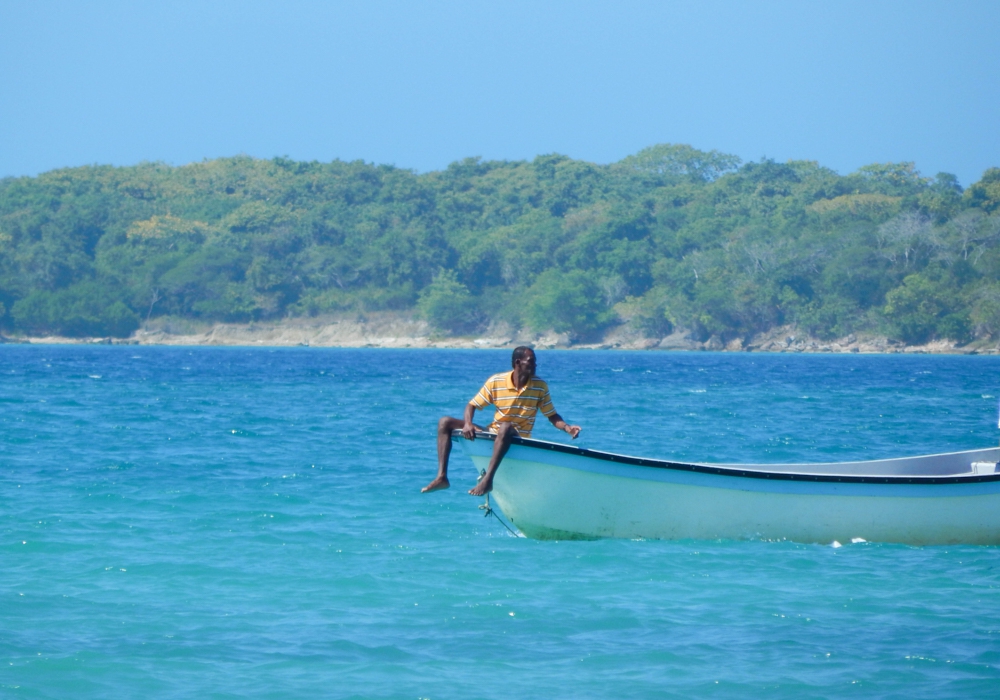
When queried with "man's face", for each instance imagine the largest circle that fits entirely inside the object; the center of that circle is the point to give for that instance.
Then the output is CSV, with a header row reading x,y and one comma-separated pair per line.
x,y
526,365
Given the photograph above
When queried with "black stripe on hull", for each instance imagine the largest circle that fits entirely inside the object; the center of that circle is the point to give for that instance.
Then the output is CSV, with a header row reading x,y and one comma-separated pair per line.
x,y
726,471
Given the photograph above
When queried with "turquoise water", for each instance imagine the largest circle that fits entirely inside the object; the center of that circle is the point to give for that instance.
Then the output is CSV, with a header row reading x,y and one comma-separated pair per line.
x,y
247,523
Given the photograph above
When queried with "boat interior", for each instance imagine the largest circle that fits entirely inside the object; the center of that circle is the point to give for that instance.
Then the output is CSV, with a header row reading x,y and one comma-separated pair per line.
x,y
971,463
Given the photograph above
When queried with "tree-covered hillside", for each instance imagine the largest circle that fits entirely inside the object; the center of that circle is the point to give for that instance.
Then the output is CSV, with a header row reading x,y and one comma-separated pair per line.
x,y
671,237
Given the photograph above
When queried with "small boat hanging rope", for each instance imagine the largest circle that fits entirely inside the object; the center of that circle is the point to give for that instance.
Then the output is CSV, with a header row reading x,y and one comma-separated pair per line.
x,y
489,510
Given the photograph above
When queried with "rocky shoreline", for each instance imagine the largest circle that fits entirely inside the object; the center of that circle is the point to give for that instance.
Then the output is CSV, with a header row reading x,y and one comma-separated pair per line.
x,y
395,330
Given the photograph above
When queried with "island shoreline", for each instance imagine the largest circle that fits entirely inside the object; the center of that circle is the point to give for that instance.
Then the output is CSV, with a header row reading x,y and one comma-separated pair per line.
x,y
400,331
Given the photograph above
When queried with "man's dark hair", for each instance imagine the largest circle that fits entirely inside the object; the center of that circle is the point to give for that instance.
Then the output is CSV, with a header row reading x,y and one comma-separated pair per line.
x,y
519,353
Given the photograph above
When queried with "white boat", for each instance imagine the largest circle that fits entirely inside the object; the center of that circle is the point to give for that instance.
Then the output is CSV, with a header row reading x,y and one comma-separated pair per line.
x,y
554,491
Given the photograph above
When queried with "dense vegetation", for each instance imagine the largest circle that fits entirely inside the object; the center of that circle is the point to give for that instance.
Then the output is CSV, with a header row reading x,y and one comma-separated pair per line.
x,y
671,237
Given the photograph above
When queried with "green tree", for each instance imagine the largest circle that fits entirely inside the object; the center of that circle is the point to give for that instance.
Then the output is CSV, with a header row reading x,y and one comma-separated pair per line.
x,y
680,160
89,308
567,302
986,311
943,198
900,179
447,304
985,194
652,315
922,308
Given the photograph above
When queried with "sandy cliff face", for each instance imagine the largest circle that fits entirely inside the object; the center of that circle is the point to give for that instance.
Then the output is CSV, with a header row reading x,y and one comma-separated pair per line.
x,y
376,330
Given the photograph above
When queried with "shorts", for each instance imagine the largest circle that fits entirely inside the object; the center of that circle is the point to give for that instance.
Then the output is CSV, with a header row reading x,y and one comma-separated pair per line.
x,y
495,424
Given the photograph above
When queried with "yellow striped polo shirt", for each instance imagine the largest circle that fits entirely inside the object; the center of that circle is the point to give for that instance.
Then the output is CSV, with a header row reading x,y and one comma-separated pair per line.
x,y
513,406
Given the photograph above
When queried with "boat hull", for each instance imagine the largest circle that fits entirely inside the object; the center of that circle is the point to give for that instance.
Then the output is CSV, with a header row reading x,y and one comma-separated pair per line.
x,y
552,494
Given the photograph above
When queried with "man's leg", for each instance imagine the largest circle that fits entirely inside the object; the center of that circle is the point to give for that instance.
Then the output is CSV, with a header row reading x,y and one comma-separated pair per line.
x,y
445,426
505,431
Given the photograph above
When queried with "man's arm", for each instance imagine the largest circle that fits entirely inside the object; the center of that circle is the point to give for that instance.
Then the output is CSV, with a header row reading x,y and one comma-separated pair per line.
x,y
560,424
469,430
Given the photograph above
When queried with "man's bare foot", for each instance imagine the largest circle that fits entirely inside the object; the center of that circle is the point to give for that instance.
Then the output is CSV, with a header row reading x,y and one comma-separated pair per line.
x,y
482,488
439,484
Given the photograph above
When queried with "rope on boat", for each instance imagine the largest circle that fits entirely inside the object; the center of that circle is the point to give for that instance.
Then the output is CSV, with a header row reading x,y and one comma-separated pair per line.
x,y
489,509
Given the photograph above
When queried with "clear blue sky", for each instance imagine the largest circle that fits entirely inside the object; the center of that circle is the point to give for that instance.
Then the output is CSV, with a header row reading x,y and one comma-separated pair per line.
x,y
421,84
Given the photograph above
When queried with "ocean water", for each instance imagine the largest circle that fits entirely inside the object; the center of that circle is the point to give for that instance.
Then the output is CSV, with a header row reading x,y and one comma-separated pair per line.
x,y
247,523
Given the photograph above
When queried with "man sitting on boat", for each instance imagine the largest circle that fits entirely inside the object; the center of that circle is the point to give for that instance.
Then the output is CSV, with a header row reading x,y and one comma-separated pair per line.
x,y
517,395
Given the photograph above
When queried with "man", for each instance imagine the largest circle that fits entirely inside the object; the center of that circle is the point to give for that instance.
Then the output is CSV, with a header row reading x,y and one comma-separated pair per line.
x,y
518,395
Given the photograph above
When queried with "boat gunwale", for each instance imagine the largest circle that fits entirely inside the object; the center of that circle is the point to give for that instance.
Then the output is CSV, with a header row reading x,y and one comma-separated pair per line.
x,y
970,478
